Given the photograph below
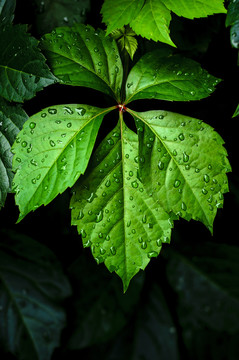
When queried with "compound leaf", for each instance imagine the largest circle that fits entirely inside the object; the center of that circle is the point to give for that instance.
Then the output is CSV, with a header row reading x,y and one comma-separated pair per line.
x,y
23,71
52,151
12,118
185,164
119,13
81,56
32,288
114,214
173,78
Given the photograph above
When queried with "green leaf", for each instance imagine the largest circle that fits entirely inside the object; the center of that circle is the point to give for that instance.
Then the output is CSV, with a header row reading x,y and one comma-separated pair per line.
x,y
55,13
153,22
155,335
232,20
52,151
23,71
185,164
32,289
120,13
126,40
7,8
12,118
114,214
81,56
173,78
195,8
103,307
206,280
236,113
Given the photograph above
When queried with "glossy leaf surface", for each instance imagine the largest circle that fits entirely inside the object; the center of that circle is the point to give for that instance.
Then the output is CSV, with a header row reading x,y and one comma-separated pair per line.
x,y
52,151
32,288
23,71
116,217
81,56
185,164
173,78
12,118
7,8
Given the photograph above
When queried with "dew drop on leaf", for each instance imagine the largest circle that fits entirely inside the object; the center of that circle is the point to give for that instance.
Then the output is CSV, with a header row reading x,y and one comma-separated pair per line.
x,y
177,183
181,137
81,111
160,165
32,125
52,143
134,184
51,111
99,216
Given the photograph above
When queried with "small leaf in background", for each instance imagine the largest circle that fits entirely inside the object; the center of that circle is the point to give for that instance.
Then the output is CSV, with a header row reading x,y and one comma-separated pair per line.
x,y
186,159
155,334
52,151
7,8
124,226
232,20
206,278
23,71
173,78
12,118
100,304
236,113
82,56
56,13
126,40
32,289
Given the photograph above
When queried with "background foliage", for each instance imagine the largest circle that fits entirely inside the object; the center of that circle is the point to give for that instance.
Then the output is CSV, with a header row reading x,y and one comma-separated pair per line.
x,y
186,304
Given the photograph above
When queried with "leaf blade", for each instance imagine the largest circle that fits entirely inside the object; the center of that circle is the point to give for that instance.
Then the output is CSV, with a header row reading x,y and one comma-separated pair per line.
x,y
103,208
12,118
52,151
81,56
189,161
23,71
173,78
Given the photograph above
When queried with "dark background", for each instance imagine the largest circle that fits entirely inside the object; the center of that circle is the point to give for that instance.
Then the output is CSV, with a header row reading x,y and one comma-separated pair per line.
x,y
208,42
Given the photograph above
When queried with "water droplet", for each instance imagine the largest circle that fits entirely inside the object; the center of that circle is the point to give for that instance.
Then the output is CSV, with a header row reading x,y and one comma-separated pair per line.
x,y
81,111
83,233
206,178
90,198
108,183
144,245
68,110
160,165
159,242
134,184
144,219
113,250
80,215
32,125
185,157
183,206
24,144
181,137
129,84
69,125
116,69
34,181
110,141
51,111
152,254
204,191
96,49
99,216
177,183
52,143
33,162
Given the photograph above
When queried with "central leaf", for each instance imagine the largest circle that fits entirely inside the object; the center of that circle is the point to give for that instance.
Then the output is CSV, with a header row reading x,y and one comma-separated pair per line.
x,y
113,212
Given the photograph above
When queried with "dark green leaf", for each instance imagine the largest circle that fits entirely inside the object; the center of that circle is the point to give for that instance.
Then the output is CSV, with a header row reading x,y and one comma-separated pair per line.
x,y
155,333
52,151
54,13
23,71
236,113
185,164
124,226
168,78
7,8
81,56
206,279
32,288
12,118
101,308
